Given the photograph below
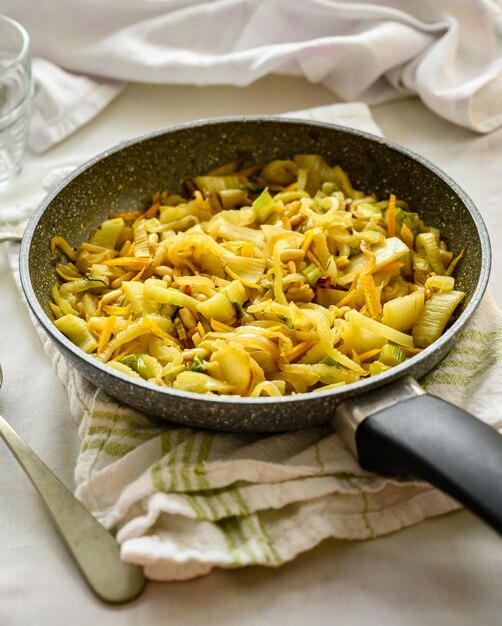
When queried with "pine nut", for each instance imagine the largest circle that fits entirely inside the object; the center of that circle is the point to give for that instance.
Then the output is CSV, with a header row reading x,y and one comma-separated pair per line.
x,y
162,270
187,318
292,254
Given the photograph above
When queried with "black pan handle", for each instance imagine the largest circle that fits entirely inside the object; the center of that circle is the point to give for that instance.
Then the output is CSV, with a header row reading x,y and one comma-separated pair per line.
x,y
401,430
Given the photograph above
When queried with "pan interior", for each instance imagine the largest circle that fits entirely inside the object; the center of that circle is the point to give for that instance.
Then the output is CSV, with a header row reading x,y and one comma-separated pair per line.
x,y
125,178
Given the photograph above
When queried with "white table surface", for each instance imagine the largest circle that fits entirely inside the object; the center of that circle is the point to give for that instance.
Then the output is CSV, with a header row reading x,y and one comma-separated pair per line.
x,y
444,571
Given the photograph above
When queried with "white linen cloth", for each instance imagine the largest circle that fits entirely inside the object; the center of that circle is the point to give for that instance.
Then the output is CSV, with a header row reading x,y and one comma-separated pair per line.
x,y
449,53
63,102
187,501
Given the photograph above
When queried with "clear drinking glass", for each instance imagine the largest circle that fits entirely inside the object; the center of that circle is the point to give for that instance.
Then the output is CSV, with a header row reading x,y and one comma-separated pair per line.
x,y
15,97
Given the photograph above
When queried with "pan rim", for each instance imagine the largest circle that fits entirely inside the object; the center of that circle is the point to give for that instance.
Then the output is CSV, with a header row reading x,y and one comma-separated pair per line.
x,y
440,345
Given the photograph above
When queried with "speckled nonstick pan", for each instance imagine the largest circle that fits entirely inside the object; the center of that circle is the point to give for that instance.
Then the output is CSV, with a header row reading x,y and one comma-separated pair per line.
x,y
388,421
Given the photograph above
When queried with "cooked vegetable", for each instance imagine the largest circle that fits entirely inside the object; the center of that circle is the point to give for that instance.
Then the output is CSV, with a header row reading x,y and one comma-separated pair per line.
x,y
392,354
77,331
402,313
434,317
276,279
108,233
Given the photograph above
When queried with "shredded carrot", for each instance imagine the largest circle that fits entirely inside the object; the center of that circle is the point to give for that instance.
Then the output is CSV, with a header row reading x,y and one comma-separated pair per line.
x,y
371,295
391,213
368,355
106,333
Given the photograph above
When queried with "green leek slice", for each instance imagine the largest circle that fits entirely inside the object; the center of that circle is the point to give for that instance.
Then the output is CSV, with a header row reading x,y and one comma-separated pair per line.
x,y
434,316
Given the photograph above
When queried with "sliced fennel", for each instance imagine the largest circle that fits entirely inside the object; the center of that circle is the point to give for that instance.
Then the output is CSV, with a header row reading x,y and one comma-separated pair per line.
x,y
263,280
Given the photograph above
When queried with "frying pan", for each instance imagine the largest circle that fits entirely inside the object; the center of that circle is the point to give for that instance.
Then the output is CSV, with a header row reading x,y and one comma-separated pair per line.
x,y
388,421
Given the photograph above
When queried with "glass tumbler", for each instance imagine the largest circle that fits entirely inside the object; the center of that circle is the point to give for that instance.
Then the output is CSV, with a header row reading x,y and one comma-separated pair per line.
x,y
15,97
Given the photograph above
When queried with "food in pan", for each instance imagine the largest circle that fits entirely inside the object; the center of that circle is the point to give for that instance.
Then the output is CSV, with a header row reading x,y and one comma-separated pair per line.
x,y
274,279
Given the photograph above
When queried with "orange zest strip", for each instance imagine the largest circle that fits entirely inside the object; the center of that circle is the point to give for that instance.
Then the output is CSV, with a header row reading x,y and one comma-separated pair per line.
x,y
139,274
407,236
247,249
156,330
371,295
315,260
348,298
219,327
128,249
286,222
391,213
246,283
393,265
292,187
152,211
146,322
131,346
368,355
106,333
308,240
299,350
135,263
351,292
116,310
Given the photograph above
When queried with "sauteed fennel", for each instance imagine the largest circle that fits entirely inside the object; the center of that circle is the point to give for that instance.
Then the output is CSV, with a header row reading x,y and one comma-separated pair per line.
x,y
275,279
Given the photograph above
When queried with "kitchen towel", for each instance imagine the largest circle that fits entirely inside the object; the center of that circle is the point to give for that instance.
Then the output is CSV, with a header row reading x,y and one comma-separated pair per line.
x,y
449,53
185,501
